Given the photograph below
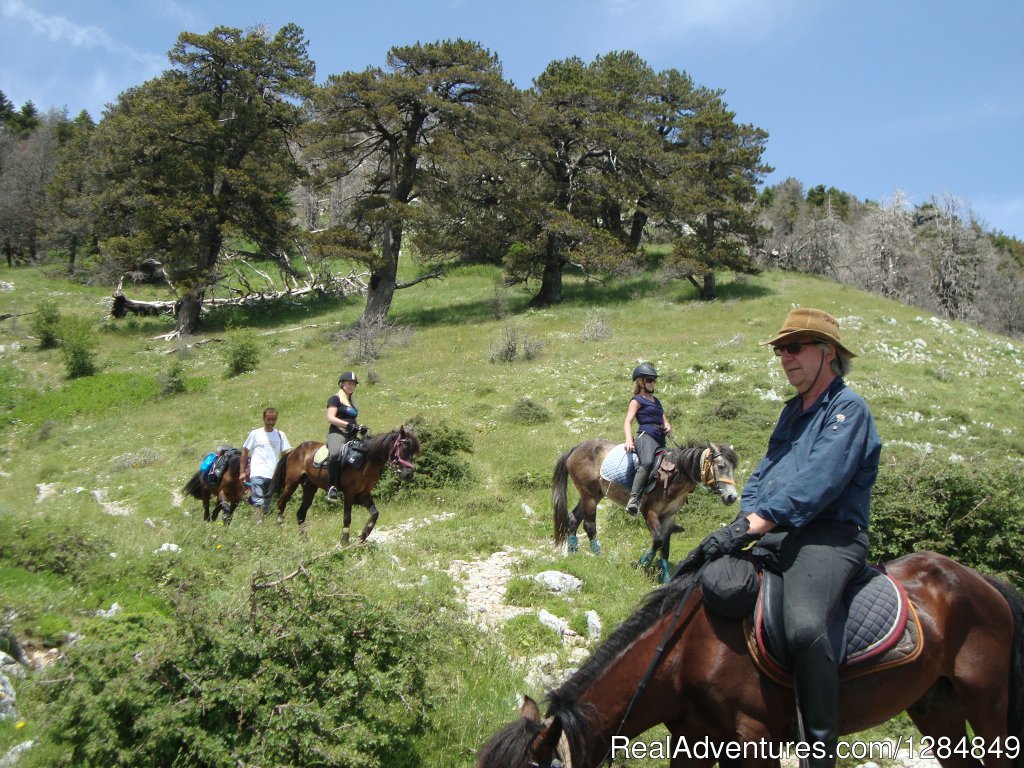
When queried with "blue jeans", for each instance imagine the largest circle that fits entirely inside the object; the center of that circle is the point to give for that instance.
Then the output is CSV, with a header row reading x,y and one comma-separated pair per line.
x,y
259,491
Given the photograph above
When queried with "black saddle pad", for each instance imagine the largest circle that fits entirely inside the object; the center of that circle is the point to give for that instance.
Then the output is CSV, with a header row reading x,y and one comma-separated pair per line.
x,y
874,621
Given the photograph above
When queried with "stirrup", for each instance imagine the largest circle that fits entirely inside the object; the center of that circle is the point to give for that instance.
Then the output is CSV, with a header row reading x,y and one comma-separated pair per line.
x,y
332,494
633,505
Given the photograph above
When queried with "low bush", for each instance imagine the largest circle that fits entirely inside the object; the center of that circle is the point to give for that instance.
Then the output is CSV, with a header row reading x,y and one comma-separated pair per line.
x,y
241,355
439,464
306,673
78,346
45,324
972,514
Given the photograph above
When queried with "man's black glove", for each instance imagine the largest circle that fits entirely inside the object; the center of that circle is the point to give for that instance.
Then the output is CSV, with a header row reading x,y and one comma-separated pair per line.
x,y
725,541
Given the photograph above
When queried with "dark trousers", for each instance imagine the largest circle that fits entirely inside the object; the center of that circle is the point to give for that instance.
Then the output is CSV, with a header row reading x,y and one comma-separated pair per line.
x,y
646,446
817,562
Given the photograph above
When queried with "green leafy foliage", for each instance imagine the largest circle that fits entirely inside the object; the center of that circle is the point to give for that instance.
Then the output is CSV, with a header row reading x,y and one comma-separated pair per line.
x,y
300,676
78,344
439,464
45,324
241,355
94,395
959,510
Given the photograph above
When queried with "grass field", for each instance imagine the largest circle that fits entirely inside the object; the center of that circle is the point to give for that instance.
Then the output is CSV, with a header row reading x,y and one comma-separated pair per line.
x,y
91,468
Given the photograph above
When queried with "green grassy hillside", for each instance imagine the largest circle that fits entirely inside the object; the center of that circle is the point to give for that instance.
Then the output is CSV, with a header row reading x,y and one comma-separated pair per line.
x,y
92,468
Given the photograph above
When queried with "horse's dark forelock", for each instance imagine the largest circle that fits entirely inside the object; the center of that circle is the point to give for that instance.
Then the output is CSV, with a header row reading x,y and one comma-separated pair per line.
x,y
509,747
564,701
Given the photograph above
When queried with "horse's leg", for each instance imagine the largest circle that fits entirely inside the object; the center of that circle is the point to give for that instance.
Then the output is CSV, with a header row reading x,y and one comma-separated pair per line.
x,y
655,529
226,509
282,500
308,492
371,521
206,508
587,509
667,524
346,520
939,715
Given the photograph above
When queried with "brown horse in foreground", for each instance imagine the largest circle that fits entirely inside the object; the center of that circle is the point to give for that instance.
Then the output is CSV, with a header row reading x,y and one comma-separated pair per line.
x,y
709,465
393,449
229,492
706,689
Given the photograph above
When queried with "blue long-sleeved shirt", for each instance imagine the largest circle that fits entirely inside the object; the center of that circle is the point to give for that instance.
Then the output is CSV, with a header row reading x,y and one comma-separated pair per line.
x,y
821,463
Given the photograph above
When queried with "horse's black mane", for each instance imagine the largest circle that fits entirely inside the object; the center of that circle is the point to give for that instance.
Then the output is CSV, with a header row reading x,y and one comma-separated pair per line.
x,y
563,701
687,457
379,446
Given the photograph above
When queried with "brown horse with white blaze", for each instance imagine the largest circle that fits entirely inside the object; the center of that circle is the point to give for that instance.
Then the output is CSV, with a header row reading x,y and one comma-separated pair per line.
x,y
707,689
709,465
390,449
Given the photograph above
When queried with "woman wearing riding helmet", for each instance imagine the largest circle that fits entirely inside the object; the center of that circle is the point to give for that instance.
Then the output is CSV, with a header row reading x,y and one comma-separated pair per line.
x,y
341,418
646,410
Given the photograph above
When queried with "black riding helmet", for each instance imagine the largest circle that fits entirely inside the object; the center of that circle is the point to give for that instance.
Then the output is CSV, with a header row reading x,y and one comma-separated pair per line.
x,y
347,376
644,369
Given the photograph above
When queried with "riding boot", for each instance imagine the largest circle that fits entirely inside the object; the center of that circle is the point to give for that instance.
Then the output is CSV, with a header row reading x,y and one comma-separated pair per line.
x,y
637,492
333,473
817,688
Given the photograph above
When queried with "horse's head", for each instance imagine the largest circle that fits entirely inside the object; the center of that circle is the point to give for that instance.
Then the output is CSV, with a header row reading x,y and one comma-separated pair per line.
x,y
717,464
403,450
529,742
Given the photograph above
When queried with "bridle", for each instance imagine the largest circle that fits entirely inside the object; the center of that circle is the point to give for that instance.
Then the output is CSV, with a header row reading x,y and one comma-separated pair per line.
x,y
396,460
708,475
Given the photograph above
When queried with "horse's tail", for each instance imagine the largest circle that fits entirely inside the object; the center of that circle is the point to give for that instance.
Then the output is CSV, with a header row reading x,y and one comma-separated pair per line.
x,y
559,501
193,487
280,473
1015,713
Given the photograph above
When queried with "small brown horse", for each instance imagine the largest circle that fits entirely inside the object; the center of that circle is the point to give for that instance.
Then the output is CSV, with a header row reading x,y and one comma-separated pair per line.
x,y
707,690
709,465
393,449
229,491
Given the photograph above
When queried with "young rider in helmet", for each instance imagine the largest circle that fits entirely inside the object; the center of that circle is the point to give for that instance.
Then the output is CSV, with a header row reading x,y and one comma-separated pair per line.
x,y
646,410
341,418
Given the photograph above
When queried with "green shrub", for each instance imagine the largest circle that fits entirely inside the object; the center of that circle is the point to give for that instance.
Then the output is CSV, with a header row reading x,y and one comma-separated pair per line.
x,y
303,674
439,464
78,346
45,324
972,514
241,354
170,380
527,411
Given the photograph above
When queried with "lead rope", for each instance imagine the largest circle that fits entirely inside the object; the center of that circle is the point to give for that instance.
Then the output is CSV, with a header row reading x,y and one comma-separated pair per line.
x,y
659,652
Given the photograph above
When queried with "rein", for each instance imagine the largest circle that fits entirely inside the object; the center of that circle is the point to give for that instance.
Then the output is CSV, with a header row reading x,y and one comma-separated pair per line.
x,y
659,653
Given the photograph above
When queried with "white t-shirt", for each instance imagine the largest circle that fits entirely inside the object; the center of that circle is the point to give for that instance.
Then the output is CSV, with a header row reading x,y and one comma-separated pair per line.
x,y
265,449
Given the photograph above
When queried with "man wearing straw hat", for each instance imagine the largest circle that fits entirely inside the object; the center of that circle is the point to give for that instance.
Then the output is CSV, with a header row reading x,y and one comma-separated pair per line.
x,y
811,495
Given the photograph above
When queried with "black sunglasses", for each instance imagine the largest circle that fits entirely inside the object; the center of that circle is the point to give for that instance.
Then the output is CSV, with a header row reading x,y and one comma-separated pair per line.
x,y
649,379
793,347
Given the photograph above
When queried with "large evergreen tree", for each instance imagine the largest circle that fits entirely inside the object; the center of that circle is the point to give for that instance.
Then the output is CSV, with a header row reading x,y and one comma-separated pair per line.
x,y
200,154
393,127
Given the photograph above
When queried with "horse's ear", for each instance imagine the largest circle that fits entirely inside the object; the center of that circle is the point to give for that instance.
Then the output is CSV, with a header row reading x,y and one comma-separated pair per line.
x,y
530,710
401,431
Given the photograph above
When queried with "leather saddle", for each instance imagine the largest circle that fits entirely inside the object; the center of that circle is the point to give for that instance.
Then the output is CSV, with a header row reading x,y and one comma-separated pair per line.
x,y
353,454
878,630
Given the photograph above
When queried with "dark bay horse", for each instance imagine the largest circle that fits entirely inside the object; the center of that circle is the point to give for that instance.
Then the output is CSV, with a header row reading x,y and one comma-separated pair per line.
x,y
706,688
390,449
228,492
709,465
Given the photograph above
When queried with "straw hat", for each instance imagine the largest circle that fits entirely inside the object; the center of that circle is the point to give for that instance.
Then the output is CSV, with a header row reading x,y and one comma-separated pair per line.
x,y
810,322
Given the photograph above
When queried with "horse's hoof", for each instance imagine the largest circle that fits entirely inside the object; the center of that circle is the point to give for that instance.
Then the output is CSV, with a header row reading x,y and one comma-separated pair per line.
x,y
666,573
573,544
360,541
595,546
345,540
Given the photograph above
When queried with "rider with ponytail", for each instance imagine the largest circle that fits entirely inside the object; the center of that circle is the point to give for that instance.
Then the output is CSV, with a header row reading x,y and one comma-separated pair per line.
x,y
646,410
342,427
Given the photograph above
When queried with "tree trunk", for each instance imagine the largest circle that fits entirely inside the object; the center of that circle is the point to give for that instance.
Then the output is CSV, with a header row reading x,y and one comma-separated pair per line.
x,y
636,231
550,292
707,293
383,278
188,309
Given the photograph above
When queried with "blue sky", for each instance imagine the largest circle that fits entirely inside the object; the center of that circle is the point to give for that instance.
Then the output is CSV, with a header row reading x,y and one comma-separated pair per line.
x,y
924,97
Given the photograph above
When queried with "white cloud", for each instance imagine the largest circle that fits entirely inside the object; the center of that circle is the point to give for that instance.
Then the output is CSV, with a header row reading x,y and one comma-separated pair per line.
x,y
60,29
